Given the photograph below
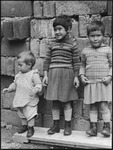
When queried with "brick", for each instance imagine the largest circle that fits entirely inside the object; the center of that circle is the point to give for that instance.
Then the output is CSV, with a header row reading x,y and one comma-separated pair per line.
x,y
10,66
42,28
83,22
8,100
107,21
48,9
82,43
75,30
21,28
38,9
35,47
39,65
80,7
12,48
10,117
109,7
16,8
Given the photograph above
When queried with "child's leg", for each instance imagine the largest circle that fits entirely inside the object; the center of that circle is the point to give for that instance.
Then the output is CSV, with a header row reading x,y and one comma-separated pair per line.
x,y
93,120
56,116
68,116
106,118
31,124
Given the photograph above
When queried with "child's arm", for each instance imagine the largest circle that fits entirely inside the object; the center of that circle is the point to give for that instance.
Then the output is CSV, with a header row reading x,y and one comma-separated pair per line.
x,y
12,87
37,83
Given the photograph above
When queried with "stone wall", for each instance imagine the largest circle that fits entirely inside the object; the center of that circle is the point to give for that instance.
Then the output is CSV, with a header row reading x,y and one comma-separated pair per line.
x,y
27,25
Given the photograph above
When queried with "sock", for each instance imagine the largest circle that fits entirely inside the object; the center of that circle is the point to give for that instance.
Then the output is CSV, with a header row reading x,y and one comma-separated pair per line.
x,y
106,116
56,114
31,122
93,116
24,121
67,114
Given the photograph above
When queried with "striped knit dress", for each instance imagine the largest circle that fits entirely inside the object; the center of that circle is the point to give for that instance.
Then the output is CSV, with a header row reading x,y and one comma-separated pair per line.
x,y
95,65
62,63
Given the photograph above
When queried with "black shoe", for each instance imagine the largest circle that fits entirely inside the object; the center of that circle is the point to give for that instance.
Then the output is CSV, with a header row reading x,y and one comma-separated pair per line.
x,y
93,129
30,131
67,130
106,129
23,129
55,128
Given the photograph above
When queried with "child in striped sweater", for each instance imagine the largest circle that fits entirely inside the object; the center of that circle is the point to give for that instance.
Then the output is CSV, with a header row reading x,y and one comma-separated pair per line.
x,y
61,70
96,75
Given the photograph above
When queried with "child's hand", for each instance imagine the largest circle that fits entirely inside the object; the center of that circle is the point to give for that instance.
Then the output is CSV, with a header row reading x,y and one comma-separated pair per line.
x,y
107,80
45,81
83,79
76,82
5,90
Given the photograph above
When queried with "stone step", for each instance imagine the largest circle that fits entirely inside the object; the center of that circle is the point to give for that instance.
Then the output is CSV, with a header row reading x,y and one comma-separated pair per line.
x,y
78,139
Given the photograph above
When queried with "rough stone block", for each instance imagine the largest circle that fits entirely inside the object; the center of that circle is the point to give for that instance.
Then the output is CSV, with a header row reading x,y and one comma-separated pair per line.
x,y
41,28
107,21
83,22
77,109
38,9
82,43
48,9
10,61
43,47
3,65
106,40
80,7
21,28
111,42
75,30
86,109
6,81
39,65
2,21
47,121
12,48
35,46
10,117
16,8
8,28
39,121
95,17
8,100
109,7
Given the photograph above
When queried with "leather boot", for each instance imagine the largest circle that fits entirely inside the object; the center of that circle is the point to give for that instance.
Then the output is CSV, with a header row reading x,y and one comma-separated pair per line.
x,y
67,130
55,128
23,129
106,129
30,131
93,129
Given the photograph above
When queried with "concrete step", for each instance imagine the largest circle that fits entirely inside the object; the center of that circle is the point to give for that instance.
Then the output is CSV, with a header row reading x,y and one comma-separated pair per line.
x,y
78,139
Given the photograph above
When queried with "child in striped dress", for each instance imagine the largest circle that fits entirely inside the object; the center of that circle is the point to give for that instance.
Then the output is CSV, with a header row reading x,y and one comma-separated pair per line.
x,y
27,85
96,75
61,70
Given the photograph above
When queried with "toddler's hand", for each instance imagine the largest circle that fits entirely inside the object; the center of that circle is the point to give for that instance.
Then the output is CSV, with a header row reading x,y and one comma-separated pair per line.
x,y
106,80
5,90
83,79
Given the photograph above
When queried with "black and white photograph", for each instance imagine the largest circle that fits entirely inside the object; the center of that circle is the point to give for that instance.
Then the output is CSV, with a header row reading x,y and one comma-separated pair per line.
x,y
56,74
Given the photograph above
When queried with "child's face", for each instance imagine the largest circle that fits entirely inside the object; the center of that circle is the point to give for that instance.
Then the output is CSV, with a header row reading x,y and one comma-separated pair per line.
x,y
60,32
96,38
22,66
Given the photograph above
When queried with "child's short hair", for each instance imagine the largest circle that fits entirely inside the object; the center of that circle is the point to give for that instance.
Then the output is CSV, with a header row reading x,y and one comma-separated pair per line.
x,y
64,21
95,26
28,57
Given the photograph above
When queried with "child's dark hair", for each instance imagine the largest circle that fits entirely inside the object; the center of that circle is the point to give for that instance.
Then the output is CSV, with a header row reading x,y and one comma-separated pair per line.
x,y
95,26
28,57
64,21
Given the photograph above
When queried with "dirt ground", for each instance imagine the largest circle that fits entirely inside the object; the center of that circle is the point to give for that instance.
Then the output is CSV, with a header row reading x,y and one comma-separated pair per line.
x,y
7,142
